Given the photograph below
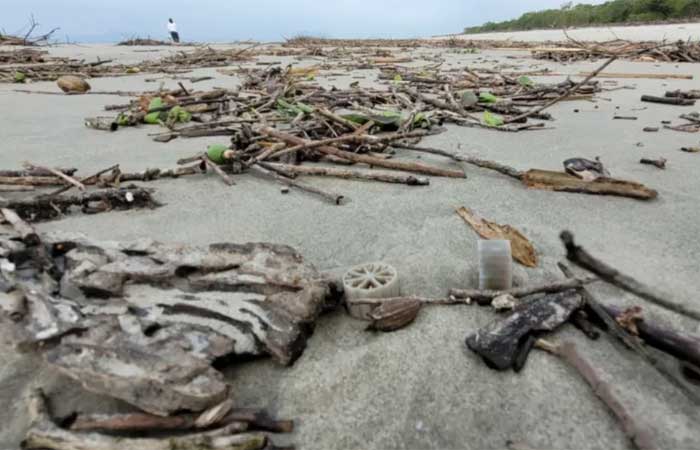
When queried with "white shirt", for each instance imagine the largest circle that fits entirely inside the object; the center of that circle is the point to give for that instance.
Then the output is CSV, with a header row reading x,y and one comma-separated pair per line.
x,y
172,27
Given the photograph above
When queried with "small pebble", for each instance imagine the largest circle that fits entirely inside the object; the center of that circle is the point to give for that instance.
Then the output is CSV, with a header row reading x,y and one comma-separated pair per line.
x,y
284,190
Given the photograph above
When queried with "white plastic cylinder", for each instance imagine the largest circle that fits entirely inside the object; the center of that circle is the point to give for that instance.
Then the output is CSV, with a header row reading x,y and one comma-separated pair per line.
x,y
495,264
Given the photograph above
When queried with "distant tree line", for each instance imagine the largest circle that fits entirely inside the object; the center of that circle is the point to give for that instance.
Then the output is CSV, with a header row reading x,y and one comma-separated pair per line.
x,y
615,11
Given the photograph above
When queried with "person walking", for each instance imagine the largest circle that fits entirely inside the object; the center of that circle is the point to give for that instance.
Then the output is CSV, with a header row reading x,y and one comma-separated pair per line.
x,y
172,28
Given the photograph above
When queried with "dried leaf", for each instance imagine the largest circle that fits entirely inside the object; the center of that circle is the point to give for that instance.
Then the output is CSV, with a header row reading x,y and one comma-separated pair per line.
x,y
523,250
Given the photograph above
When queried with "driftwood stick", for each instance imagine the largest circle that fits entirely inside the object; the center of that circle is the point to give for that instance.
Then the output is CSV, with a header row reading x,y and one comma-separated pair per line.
x,y
32,181
26,232
353,137
660,163
566,94
245,419
36,172
59,174
131,422
389,164
349,174
484,297
11,188
87,180
675,343
333,198
215,167
637,432
603,313
679,101
44,433
579,256
483,163
352,126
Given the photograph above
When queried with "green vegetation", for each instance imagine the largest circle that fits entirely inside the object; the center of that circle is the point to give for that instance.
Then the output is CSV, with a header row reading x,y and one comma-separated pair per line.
x,y
615,11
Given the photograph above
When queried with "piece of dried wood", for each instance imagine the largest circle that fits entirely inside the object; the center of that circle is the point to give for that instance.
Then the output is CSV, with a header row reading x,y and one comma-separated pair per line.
x,y
660,163
608,318
45,434
579,256
563,182
25,231
247,300
385,177
523,250
639,433
485,297
59,174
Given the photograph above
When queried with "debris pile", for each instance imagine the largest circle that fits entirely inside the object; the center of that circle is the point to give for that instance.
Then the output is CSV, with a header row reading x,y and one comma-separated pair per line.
x,y
679,51
144,322
136,41
180,62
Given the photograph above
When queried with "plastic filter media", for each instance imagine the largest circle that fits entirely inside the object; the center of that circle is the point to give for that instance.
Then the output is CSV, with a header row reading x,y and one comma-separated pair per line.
x,y
495,264
372,280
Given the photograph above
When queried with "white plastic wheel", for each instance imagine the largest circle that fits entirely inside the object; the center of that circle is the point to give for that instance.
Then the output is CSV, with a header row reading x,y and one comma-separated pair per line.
x,y
372,280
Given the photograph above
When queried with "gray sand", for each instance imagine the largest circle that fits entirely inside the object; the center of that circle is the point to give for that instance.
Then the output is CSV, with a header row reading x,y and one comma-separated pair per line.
x,y
418,388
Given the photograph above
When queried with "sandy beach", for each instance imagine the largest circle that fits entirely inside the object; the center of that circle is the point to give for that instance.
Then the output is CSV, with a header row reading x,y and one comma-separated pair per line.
x,y
661,32
417,388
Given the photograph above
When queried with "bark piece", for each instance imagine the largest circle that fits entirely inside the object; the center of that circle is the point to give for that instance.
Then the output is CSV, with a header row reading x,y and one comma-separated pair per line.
x,y
159,382
500,342
523,250
154,317
560,181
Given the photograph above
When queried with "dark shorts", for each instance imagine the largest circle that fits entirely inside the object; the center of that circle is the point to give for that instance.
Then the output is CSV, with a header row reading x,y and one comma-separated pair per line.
x,y
175,36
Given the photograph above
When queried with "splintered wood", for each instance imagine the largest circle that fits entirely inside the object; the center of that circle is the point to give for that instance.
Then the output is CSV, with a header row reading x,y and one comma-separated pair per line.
x,y
143,321
560,181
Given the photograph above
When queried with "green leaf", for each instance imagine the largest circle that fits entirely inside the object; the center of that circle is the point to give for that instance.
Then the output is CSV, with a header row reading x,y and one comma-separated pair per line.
x,y
398,78
525,81
357,118
487,97
20,77
179,115
152,118
122,120
492,120
292,110
156,102
215,153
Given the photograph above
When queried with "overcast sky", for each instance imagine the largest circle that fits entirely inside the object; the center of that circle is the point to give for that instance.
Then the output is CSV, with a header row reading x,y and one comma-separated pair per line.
x,y
268,20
